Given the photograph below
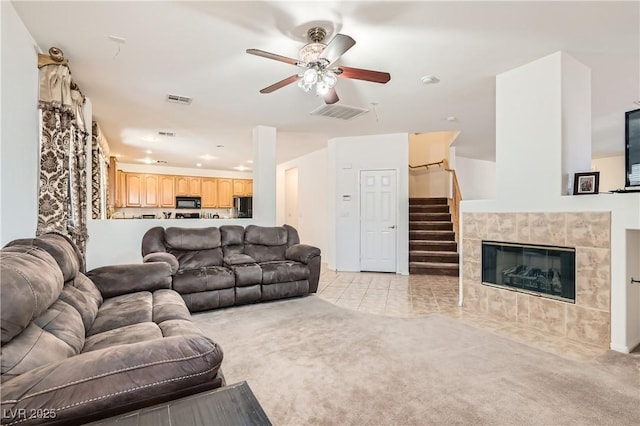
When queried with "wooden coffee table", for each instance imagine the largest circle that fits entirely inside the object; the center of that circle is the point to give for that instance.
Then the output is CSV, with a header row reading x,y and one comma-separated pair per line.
x,y
229,405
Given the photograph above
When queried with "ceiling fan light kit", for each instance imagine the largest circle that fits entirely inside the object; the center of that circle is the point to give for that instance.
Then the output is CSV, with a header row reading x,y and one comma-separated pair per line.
x,y
317,58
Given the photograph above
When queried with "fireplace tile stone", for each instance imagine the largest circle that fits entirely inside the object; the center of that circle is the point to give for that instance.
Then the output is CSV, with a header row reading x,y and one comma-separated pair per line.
x,y
589,229
593,268
475,225
472,250
501,304
522,308
523,230
475,297
588,325
472,270
547,315
548,228
501,226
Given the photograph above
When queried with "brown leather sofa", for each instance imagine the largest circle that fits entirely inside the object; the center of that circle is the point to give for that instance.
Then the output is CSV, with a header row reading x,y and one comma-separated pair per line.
x,y
232,265
78,347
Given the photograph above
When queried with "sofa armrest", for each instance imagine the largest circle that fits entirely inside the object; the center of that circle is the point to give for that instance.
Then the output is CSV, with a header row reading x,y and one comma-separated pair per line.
x,y
116,280
302,253
238,259
97,383
163,257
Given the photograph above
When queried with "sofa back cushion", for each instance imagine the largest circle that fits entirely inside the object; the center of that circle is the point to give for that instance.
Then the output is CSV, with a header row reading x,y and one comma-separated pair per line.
x,y
31,282
194,248
85,297
63,251
264,243
232,239
153,241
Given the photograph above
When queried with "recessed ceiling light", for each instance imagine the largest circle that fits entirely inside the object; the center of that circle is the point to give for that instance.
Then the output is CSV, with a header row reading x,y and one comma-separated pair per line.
x,y
452,118
219,146
429,79
146,160
199,164
250,161
208,157
241,168
149,151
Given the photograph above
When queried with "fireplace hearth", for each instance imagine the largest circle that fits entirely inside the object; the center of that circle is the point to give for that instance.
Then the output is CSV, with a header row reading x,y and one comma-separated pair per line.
x,y
547,271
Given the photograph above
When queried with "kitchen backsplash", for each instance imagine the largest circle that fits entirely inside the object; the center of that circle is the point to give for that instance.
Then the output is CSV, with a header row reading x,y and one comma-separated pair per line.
x,y
129,213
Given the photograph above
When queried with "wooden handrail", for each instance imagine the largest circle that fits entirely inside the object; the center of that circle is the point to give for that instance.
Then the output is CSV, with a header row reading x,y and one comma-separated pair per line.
x,y
439,163
454,201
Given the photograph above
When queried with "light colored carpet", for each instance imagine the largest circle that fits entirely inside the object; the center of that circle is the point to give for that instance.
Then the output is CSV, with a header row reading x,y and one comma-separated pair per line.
x,y
311,362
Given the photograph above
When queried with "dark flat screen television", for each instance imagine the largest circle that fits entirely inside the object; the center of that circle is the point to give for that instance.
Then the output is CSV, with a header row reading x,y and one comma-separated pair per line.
x,y
632,149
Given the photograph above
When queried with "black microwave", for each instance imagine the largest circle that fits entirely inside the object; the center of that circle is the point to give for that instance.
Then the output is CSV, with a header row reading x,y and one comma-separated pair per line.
x,y
188,202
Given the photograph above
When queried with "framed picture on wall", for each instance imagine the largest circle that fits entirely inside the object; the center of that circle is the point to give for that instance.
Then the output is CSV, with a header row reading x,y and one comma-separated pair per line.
x,y
586,183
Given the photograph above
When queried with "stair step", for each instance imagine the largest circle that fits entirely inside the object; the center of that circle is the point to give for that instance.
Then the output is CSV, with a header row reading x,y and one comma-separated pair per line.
x,y
427,201
430,217
432,235
438,225
433,245
433,256
432,268
428,209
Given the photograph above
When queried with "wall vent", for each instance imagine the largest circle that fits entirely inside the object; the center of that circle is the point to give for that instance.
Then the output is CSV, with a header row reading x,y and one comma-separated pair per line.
x,y
169,134
184,100
342,112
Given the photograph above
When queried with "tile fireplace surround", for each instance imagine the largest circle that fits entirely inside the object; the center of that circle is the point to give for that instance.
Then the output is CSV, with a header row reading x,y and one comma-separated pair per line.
x,y
588,320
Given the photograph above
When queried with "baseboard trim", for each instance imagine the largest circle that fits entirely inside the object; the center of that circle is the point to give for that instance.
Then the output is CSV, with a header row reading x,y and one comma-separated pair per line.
x,y
624,348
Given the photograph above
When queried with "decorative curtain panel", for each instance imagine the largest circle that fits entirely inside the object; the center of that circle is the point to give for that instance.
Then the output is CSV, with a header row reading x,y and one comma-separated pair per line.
x,y
99,173
62,200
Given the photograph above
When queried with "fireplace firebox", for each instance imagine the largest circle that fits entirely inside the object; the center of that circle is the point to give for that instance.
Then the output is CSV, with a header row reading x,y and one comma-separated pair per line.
x,y
548,271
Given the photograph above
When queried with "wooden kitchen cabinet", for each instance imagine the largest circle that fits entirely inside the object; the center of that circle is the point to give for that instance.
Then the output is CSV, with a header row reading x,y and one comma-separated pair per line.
x,y
242,187
150,191
225,193
188,186
120,191
167,194
133,189
209,193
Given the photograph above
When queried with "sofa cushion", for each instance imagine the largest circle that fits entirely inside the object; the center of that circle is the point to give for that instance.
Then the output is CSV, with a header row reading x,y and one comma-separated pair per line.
x,y
168,305
206,300
123,310
203,279
133,333
283,271
153,241
195,259
192,239
60,248
31,282
232,239
265,235
179,328
63,321
283,290
83,295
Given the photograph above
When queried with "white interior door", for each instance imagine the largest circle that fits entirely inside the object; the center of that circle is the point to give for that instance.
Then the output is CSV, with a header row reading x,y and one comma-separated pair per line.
x,y
291,197
378,205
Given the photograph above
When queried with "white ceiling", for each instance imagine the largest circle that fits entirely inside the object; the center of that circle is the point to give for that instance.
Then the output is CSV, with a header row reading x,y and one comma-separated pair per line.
x,y
197,49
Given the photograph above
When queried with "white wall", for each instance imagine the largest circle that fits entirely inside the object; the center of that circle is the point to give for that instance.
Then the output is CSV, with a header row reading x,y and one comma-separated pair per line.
x,y
477,178
347,157
313,194
425,148
611,172
19,139
264,175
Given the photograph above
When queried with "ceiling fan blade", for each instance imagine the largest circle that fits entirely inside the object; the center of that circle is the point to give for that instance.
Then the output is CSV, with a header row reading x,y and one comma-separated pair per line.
x,y
331,97
273,56
280,84
337,47
360,74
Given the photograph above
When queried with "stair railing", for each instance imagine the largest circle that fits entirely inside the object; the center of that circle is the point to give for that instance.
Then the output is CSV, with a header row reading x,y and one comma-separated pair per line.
x,y
455,195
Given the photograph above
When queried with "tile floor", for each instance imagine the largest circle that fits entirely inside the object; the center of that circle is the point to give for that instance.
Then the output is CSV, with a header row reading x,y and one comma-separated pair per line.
x,y
420,295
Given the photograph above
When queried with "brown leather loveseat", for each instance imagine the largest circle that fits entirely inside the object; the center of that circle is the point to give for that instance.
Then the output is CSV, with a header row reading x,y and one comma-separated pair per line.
x,y
79,347
233,265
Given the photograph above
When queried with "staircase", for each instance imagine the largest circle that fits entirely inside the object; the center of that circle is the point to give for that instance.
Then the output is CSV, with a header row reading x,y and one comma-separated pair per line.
x,y
432,242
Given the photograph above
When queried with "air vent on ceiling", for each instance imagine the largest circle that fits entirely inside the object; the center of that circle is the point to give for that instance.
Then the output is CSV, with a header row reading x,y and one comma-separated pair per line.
x,y
184,100
342,112
163,133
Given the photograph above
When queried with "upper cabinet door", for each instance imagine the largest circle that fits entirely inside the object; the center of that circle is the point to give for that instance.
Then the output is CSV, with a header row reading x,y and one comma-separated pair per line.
x,y
195,184
167,194
150,186
182,186
133,189
225,193
242,187
209,193
249,187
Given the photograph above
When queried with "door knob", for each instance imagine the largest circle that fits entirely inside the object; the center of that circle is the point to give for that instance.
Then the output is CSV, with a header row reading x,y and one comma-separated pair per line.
x,y
392,227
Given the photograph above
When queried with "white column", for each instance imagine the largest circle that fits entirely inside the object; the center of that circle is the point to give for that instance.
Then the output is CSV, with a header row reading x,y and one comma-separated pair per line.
x,y
264,176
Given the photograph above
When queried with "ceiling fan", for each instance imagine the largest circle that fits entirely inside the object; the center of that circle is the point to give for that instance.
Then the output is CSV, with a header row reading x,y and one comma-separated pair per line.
x,y
318,59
